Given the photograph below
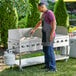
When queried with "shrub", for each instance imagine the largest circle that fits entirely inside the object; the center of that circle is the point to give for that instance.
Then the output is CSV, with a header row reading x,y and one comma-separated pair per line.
x,y
8,19
51,5
61,14
35,15
23,9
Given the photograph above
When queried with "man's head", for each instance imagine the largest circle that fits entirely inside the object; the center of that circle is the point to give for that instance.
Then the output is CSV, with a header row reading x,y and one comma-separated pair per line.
x,y
42,7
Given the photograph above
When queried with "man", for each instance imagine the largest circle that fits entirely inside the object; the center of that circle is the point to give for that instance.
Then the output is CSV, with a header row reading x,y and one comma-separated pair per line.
x,y
48,33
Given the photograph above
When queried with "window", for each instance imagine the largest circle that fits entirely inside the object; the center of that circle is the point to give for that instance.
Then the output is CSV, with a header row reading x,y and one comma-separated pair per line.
x,y
71,7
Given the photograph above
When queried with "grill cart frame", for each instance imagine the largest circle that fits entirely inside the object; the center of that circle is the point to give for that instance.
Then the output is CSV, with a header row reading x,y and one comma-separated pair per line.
x,y
15,43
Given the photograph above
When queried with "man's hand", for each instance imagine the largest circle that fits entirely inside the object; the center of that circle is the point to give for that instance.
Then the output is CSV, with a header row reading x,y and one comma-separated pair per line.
x,y
32,31
36,27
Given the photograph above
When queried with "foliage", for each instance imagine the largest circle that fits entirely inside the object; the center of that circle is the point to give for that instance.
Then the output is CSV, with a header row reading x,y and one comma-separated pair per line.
x,y
35,15
14,13
51,5
23,9
23,22
72,29
8,19
61,14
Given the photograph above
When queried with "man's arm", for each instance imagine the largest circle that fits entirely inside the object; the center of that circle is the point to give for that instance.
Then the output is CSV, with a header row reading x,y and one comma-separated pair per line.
x,y
36,27
52,20
53,24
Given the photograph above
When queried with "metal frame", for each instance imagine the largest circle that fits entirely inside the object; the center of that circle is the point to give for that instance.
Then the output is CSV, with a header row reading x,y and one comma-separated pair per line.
x,y
60,41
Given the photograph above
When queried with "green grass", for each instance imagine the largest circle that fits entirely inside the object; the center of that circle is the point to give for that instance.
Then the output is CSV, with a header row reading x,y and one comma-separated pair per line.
x,y
35,54
64,69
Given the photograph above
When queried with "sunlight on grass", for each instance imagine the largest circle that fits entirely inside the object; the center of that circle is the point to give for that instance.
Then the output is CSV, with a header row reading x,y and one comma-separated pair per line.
x,y
74,66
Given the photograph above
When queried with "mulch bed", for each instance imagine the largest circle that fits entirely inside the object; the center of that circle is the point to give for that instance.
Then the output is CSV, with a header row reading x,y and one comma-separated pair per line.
x,y
2,65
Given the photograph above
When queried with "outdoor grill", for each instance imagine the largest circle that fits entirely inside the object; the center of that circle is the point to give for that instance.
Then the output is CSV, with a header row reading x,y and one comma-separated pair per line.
x,y
19,40
25,44
30,44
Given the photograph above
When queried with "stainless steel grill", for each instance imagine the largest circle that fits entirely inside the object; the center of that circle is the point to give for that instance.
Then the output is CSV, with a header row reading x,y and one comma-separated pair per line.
x,y
25,45
20,41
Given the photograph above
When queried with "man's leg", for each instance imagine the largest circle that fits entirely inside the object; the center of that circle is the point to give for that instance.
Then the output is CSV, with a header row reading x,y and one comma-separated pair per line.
x,y
46,56
51,58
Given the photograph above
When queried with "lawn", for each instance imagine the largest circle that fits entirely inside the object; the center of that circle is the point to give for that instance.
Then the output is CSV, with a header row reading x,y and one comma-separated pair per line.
x,y
64,69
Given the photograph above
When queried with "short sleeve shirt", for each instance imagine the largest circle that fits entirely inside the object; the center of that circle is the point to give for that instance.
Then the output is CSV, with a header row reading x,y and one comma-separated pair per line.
x,y
48,16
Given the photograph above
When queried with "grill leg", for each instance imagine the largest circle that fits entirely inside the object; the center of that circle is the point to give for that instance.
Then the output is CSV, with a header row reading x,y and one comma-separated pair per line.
x,y
20,62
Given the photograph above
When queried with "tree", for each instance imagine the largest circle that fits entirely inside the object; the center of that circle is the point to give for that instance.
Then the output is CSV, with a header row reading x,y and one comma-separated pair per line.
x,y
23,9
8,19
61,14
35,15
50,5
